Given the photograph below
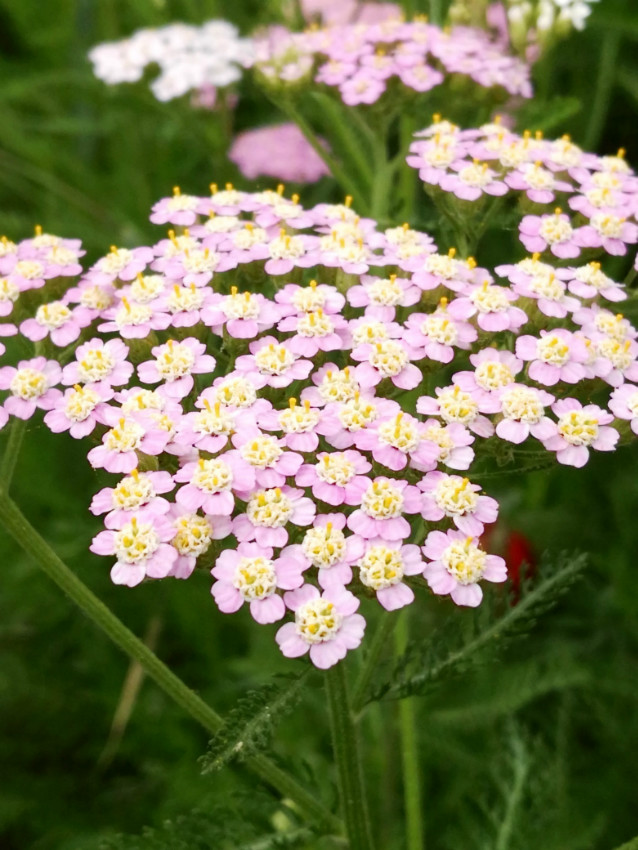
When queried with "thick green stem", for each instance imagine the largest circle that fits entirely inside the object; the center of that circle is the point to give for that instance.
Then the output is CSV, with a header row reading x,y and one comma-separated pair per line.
x,y
11,453
412,796
345,748
34,545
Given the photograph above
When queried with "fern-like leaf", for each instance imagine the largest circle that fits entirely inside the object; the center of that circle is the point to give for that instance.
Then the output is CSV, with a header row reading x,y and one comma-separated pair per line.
x,y
249,726
445,653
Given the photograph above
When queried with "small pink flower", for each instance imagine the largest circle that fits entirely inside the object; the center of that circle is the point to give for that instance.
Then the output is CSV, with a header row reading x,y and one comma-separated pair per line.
x,y
31,385
175,364
325,624
134,491
55,320
97,361
120,264
297,422
398,440
179,210
381,296
193,536
326,547
342,422
438,334
251,574
266,458
607,231
337,478
457,564
382,567
386,359
269,511
557,356
454,441
382,507
294,299
316,331
589,282
523,411
553,232
127,436
493,371
457,499
578,429
537,182
141,546
244,315
272,363
492,305
472,180
79,410
209,483
455,405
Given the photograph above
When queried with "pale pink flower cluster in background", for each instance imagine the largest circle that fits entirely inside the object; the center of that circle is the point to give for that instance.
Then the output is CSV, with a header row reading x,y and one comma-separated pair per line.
x,y
279,151
364,61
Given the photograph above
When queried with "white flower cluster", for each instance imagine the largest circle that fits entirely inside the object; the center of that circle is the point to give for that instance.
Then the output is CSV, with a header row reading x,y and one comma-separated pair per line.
x,y
546,15
189,57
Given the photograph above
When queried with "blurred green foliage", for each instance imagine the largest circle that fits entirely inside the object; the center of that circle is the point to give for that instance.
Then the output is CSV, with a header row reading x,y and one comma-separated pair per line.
x,y
533,748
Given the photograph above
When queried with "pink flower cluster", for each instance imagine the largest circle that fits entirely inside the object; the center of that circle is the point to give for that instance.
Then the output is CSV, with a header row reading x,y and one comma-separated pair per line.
x,y
343,487
279,151
365,61
592,200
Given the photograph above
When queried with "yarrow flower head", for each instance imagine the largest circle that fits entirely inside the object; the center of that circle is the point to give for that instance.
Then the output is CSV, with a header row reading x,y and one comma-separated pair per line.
x,y
292,400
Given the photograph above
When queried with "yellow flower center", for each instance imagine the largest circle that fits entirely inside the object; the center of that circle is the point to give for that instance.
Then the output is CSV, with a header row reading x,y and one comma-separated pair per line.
x,y
578,428
400,433
457,406
522,404
454,496
388,357
335,469
193,535
174,360
465,561
381,567
324,546
274,359
492,375
255,578
28,384
317,621
552,349
135,542
80,403
95,365
269,508
212,476
262,452
382,500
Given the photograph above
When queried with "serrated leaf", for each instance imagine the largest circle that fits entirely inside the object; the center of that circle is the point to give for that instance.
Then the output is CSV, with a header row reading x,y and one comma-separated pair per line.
x,y
248,727
424,664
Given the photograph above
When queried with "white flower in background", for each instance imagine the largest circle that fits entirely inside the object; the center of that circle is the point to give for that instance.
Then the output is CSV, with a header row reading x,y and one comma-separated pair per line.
x,y
189,57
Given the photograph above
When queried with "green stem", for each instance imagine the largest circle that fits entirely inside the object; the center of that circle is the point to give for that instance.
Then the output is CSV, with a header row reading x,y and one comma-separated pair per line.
x,y
346,753
604,83
415,833
11,453
375,649
34,545
340,175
